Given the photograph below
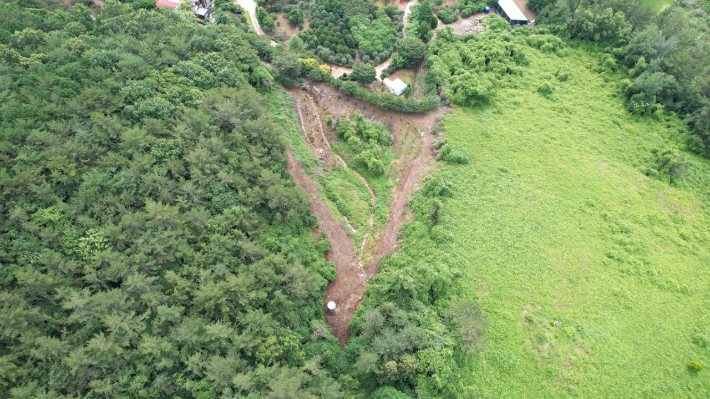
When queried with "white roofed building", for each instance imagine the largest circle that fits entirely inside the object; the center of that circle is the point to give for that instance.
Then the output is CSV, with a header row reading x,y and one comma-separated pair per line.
x,y
510,11
397,87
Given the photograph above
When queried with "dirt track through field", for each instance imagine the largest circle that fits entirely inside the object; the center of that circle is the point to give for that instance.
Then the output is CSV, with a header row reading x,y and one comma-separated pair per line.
x,y
348,289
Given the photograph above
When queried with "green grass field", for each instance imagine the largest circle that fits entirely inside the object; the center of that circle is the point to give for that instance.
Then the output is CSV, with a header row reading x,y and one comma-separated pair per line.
x,y
657,5
594,276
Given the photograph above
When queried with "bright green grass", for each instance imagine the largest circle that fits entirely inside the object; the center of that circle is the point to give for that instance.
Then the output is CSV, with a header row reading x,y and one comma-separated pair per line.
x,y
657,5
554,221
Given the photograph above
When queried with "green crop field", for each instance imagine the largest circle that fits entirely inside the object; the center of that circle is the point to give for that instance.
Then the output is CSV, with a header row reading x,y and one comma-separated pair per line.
x,y
593,275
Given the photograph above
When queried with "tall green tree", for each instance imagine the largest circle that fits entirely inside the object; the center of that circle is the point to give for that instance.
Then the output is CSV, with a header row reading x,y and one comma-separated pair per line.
x,y
363,73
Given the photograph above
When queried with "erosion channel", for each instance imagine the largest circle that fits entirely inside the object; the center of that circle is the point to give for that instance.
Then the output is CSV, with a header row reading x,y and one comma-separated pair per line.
x,y
413,152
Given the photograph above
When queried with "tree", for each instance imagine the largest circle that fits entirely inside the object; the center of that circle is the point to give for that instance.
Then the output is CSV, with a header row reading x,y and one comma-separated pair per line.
x,y
540,5
261,14
411,50
122,182
607,26
268,23
295,16
363,73
447,15
288,67
374,37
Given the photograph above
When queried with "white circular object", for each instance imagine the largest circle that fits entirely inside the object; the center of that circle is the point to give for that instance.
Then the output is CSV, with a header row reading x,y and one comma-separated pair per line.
x,y
331,306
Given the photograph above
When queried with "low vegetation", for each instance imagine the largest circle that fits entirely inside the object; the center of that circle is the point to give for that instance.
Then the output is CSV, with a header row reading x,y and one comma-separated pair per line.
x,y
579,228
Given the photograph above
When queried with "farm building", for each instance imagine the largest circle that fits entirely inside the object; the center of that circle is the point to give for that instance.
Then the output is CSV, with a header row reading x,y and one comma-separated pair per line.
x,y
396,86
510,11
201,8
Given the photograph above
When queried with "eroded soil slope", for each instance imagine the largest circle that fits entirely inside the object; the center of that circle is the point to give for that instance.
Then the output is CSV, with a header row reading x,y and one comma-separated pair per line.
x,y
349,286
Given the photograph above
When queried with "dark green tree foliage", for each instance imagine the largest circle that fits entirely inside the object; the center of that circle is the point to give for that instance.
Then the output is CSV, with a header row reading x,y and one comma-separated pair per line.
x,y
363,73
357,8
470,7
405,326
448,15
151,243
607,26
375,38
540,5
422,20
295,16
410,50
288,67
329,36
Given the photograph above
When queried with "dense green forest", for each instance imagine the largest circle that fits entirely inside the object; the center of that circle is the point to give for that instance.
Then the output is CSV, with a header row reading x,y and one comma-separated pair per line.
x,y
151,244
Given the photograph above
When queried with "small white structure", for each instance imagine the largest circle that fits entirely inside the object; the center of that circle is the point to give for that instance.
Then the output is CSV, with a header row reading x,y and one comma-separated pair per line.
x,y
396,86
331,307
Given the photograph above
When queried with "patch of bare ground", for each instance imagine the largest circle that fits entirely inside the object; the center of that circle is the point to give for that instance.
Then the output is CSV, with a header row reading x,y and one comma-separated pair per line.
x,y
411,164
529,12
471,24
283,27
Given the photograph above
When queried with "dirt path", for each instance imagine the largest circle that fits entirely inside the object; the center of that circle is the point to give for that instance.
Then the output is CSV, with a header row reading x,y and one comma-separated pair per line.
x,y
341,253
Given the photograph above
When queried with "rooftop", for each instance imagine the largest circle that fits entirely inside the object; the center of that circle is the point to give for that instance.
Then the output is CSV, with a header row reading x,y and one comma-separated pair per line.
x,y
397,86
512,10
166,3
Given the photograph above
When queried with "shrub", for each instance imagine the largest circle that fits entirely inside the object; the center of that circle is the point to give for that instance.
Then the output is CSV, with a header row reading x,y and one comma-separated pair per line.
x,y
695,366
454,153
447,15
328,121
562,75
546,89
438,144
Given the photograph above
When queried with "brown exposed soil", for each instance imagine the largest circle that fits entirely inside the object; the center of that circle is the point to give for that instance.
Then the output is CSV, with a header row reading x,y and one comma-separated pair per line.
x,y
283,27
349,286
523,6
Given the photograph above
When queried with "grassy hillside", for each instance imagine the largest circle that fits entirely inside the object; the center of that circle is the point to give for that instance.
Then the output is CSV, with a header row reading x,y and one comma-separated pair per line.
x,y
593,275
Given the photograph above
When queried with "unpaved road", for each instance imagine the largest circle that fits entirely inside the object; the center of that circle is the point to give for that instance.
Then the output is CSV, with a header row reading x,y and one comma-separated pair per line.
x,y
250,7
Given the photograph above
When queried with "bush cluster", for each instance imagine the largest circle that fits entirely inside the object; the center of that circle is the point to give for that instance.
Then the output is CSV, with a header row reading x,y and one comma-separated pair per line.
x,y
454,153
467,68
